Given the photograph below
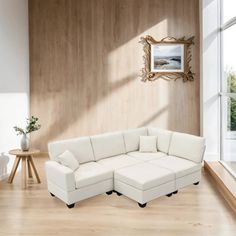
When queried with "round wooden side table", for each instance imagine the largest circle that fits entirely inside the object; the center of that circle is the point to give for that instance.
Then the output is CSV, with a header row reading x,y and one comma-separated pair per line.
x,y
26,158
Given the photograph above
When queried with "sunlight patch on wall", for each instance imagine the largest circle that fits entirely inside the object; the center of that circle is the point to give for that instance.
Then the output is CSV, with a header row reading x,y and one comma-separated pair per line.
x,y
122,59
125,64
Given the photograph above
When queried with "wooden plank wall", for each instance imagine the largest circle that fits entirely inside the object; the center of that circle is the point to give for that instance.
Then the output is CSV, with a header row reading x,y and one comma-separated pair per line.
x,y
85,61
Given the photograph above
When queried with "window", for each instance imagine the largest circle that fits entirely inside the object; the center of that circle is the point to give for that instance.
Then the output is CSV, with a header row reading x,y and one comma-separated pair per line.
x,y
228,84
227,10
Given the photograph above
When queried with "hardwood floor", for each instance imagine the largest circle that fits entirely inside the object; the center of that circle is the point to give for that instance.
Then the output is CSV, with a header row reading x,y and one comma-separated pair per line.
x,y
195,210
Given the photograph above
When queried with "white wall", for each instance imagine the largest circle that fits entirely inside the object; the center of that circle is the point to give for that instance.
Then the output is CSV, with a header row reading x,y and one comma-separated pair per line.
x,y
210,79
14,75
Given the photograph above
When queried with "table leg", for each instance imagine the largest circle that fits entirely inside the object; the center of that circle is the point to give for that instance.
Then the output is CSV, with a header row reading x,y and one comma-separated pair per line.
x,y
13,172
23,169
34,169
29,168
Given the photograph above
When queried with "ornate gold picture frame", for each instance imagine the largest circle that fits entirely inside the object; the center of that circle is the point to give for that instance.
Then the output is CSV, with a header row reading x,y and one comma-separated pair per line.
x,y
168,58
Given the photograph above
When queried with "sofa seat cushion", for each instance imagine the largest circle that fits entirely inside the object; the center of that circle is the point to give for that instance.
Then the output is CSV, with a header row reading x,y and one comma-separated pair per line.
x,y
91,173
144,176
117,162
179,166
141,156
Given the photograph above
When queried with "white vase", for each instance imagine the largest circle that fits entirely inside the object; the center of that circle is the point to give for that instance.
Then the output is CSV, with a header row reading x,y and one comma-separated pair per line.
x,y
25,143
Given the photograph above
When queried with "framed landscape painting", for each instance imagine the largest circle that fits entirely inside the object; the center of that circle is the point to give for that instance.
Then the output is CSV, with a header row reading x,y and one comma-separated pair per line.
x,y
167,58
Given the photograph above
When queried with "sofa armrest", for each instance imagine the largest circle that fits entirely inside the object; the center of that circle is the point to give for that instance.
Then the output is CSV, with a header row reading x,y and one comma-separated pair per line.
x,y
187,146
60,175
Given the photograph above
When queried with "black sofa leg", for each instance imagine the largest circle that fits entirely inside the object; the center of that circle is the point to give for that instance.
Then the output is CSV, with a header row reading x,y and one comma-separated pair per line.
x,y
119,194
169,195
175,192
142,205
109,193
52,195
197,183
70,205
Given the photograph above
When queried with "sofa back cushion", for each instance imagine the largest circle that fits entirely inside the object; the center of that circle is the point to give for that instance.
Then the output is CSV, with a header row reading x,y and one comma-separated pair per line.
x,y
132,137
107,145
80,147
187,146
163,138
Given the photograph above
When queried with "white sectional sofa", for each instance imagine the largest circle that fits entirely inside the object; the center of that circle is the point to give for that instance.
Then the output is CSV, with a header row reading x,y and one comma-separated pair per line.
x,y
112,162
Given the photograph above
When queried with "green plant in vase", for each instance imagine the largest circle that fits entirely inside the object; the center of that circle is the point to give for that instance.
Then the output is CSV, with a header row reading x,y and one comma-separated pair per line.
x,y
31,126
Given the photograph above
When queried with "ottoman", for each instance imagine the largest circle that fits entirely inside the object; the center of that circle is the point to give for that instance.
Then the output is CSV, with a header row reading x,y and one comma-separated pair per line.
x,y
144,182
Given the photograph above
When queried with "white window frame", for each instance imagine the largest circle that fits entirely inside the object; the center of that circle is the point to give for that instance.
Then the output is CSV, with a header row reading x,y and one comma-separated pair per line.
x,y
223,93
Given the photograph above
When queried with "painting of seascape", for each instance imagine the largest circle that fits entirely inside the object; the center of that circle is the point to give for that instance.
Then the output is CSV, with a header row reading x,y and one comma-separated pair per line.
x,y
167,58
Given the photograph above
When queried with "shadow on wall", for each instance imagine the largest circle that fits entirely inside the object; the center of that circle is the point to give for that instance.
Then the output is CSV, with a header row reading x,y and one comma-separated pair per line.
x,y
4,160
153,117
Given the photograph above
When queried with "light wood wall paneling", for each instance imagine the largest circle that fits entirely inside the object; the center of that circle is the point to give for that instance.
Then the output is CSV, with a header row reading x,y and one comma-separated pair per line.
x,y
85,60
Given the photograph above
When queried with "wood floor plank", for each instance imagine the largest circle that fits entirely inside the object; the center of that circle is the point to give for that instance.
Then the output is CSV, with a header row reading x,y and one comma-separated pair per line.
x,y
194,211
